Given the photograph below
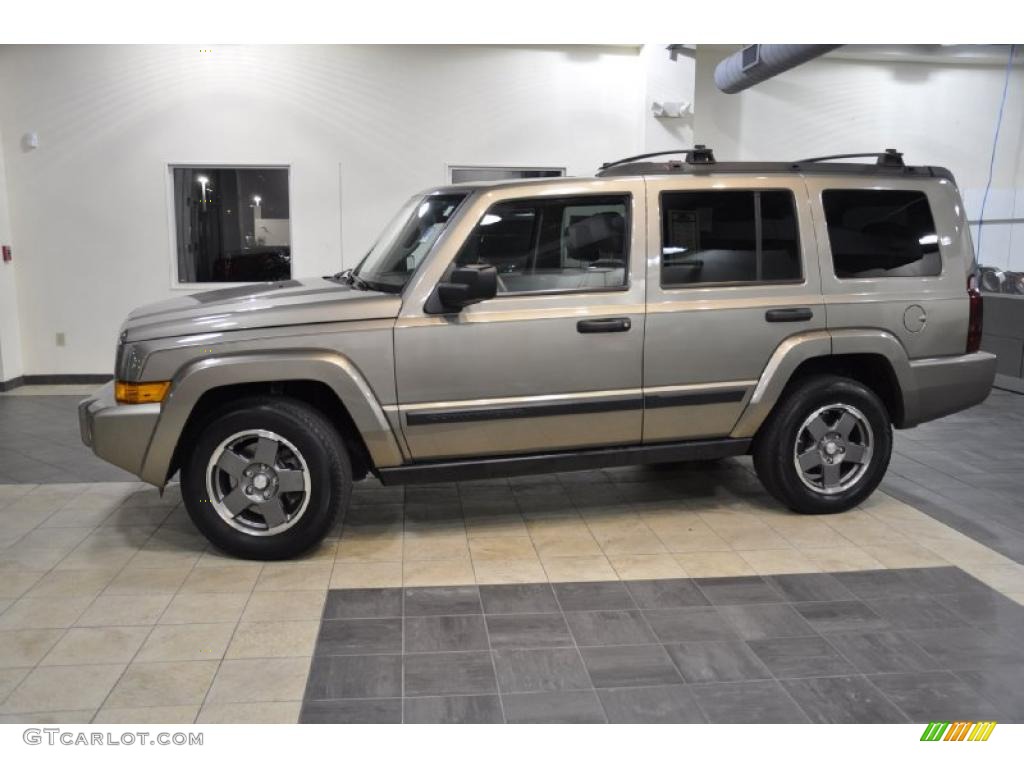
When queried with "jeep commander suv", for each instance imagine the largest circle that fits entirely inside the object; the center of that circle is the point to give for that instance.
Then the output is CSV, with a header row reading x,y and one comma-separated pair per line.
x,y
660,311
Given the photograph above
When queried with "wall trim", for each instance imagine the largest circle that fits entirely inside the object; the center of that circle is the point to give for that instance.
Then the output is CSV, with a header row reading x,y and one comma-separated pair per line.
x,y
17,381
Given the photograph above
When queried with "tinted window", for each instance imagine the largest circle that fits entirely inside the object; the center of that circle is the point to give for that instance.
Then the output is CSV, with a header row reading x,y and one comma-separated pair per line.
x,y
728,237
560,244
881,233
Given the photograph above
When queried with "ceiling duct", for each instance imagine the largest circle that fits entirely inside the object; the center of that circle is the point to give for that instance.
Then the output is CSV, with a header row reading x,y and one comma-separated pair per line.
x,y
754,64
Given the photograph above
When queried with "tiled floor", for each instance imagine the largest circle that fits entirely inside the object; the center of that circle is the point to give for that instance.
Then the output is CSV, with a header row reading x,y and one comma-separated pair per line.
x,y
39,439
967,470
886,646
112,607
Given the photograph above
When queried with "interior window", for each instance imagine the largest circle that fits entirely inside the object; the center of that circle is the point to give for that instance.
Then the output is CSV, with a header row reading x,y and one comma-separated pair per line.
x,y
881,233
232,224
553,244
729,236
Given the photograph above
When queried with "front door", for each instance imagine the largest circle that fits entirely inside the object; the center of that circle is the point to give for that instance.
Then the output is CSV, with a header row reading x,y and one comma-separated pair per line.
x,y
735,274
554,361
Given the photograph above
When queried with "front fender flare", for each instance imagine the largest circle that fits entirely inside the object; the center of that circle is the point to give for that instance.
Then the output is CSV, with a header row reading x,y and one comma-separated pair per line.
x,y
326,367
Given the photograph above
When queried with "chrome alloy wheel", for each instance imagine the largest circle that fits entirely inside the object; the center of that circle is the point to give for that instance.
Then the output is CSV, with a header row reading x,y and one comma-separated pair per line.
x,y
258,482
833,449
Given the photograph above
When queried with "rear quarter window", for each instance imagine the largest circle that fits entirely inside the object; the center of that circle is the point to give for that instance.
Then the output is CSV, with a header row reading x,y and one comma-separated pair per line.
x,y
881,233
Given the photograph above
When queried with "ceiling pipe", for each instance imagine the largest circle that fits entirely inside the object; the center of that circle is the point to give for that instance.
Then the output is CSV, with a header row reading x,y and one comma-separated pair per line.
x,y
756,63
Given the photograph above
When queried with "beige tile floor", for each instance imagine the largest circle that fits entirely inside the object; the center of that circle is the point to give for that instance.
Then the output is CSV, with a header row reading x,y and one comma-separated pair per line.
x,y
114,609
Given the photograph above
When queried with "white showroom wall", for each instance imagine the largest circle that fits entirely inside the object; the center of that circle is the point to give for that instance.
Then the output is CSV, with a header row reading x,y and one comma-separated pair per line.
x,y
10,333
361,127
936,112
364,127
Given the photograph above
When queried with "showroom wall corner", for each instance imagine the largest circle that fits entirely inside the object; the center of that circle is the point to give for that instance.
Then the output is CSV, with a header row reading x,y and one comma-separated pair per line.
x,y
10,330
937,111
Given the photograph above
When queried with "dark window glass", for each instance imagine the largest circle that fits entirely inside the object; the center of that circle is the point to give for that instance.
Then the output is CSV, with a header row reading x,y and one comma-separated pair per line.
x,y
729,236
232,224
881,233
559,244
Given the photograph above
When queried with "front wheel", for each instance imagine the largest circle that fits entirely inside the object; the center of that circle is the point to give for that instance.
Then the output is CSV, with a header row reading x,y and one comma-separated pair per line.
x,y
265,480
826,446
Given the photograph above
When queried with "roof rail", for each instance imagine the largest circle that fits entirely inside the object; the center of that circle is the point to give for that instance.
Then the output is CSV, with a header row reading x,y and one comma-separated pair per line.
x,y
889,157
700,161
698,155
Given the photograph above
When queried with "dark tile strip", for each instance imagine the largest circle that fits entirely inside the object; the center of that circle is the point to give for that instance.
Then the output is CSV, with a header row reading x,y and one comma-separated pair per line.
x,y
869,646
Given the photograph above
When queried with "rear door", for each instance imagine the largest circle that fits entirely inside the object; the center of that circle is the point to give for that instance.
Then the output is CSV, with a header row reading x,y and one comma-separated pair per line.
x,y
733,272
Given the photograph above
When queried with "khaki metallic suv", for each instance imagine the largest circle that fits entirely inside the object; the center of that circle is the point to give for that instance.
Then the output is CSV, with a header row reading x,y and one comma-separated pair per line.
x,y
660,311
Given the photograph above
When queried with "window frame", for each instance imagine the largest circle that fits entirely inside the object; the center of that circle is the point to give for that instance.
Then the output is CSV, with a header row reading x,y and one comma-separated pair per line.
x,y
450,168
627,239
800,280
172,220
828,234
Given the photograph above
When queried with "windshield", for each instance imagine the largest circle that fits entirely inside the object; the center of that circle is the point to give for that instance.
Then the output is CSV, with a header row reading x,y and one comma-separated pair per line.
x,y
406,240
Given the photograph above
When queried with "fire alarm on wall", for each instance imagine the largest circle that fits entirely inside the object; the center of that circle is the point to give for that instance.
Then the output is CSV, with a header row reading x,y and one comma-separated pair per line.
x,y
7,252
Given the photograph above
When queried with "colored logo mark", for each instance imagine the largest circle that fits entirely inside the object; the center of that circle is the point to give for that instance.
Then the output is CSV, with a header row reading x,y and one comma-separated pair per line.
x,y
958,731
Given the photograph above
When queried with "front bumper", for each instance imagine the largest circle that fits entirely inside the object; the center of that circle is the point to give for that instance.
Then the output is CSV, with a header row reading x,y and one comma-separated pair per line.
x,y
119,434
945,385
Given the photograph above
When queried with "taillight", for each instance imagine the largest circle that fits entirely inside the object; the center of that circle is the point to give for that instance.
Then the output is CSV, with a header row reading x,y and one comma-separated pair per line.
x,y
976,318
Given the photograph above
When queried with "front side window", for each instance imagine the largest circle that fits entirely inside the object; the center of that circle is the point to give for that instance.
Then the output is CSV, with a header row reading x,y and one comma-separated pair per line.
x,y
232,225
728,236
553,244
406,241
881,233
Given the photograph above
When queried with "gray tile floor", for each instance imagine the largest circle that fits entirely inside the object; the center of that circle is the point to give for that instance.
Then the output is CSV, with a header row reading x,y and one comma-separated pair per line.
x,y
39,443
967,471
904,645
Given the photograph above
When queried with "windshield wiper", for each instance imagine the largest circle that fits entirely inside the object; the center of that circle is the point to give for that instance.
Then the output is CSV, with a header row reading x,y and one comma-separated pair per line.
x,y
349,277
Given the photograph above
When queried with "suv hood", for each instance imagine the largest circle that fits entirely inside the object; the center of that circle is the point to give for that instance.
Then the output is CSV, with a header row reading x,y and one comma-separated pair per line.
x,y
288,302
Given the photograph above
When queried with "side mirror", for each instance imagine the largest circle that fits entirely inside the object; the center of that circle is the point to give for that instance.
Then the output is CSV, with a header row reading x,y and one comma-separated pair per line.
x,y
465,285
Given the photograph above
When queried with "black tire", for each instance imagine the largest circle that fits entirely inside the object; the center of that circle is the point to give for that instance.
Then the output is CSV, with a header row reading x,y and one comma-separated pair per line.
x,y
776,442
320,446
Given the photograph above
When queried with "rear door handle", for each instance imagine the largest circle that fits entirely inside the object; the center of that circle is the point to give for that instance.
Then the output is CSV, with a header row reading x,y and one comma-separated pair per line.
x,y
604,325
788,315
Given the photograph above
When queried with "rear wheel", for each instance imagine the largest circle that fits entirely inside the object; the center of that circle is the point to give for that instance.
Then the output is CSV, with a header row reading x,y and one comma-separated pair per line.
x,y
265,481
826,446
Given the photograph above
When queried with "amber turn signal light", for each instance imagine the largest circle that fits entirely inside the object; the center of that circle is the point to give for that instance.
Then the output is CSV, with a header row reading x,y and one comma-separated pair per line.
x,y
136,393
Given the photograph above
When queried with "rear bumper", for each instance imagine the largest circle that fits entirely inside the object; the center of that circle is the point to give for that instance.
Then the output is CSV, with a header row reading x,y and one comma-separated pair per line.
x,y
119,434
945,385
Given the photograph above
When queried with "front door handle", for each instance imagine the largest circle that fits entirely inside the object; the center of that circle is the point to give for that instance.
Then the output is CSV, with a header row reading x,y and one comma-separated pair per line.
x,y
788,315
604,325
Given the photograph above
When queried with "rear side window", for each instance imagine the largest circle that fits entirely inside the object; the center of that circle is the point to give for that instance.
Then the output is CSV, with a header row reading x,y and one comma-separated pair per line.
x,y
881,233
729,236
553,244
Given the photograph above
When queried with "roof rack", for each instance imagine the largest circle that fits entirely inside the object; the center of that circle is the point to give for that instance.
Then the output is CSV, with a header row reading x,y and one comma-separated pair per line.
x,y
890,158
699,154
700,161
